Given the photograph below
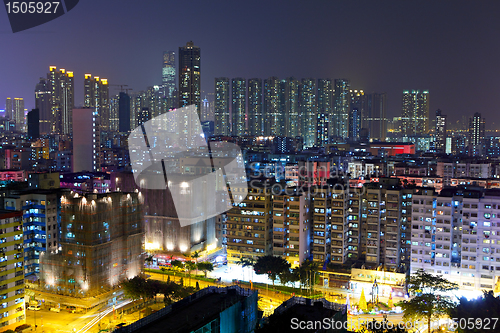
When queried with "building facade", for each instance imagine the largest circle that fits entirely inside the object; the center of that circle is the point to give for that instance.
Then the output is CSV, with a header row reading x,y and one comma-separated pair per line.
x,y
11,269
415,113
190,76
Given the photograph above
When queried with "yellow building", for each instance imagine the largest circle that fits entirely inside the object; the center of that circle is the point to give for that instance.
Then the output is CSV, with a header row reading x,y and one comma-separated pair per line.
x,y
249,225
12,313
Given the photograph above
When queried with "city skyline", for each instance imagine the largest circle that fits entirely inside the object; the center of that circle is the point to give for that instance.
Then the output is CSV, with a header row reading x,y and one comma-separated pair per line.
x,y
420,47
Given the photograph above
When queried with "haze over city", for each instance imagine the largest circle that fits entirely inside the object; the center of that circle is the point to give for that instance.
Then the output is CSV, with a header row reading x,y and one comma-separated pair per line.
x,y
446,47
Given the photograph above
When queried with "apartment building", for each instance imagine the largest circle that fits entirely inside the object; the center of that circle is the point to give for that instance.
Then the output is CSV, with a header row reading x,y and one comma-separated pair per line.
x,y
385,224
456,234
459,169
13,309
41,221
292,225
249,224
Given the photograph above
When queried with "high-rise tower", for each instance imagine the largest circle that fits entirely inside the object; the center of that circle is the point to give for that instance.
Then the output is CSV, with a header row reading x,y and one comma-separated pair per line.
x,y
14,110
308,105
96,95
238,110
341,107
476,134
60,85
43,100
325,103
168,74
273,118
440,132
255,124
189,76
221,113
290,106
374,117
415,113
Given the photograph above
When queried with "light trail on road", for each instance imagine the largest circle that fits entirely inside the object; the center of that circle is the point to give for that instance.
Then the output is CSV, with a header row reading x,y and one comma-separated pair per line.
x,y
101,315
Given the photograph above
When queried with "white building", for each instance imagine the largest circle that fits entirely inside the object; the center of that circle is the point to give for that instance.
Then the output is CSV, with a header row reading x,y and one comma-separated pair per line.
x,y
456,234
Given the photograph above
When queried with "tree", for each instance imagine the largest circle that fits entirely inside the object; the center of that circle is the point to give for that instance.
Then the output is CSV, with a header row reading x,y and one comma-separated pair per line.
x,y
362,301
302,274
205,267
272,266
428,303
481,309
177,264
163,269
149,261
195,256
311,268
288,276
133,288
190,266
138,287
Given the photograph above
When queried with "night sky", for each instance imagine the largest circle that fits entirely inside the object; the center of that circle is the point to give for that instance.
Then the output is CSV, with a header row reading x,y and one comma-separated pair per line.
x,y
451,48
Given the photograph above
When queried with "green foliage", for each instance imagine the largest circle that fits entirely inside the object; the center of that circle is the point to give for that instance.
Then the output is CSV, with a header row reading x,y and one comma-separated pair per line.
x,y
134,288
482,310
177,264
173,292
205,267
427,303
288,277
422,283
272,266
191,266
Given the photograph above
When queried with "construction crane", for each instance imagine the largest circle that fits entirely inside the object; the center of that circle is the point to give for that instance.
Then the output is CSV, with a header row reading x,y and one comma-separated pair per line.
x,y
121,87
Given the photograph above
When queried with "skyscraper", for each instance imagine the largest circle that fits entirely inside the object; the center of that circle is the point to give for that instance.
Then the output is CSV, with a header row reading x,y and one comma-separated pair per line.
x,y
96,95
12,282
255,125
375,118
341,106
221,116
290,106
354,123
274,123
123,112
325,103
14,110
189,76
358,101
168,74
440,132
238,110
86,141
33,124
476,134
415,113
43,100
308,91
61,86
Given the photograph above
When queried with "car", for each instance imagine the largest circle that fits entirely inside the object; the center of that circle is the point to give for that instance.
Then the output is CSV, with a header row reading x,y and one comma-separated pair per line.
x,y
34,307
55,309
